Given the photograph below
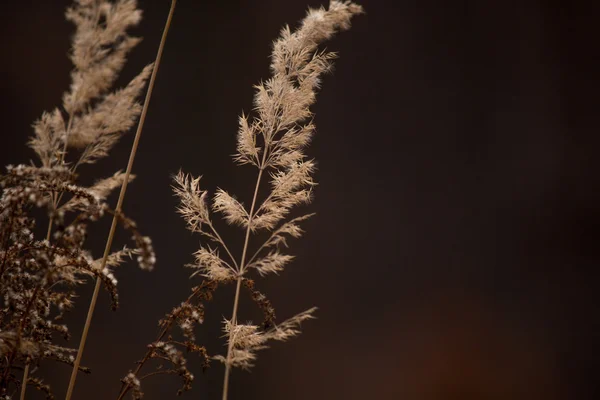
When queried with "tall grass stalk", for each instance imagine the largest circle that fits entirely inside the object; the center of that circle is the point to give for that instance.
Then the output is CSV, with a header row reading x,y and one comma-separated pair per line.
x,y
113,226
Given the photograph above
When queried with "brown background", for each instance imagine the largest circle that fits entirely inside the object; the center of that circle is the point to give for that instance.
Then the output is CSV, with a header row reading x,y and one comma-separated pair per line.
x,y
455,250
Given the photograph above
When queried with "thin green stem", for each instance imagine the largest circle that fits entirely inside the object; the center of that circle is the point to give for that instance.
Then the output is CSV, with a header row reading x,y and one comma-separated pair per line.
x,y
111,234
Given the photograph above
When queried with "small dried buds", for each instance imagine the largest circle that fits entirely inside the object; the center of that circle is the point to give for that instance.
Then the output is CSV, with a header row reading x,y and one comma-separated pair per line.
x,y
39,275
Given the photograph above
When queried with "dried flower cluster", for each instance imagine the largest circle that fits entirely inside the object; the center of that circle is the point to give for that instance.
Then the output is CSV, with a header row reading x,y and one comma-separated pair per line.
x,y
42,261
273,141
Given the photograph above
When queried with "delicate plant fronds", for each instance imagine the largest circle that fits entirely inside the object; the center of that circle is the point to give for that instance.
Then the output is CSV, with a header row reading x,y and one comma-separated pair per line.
x,y
233,211
95,118
194,208
98,131
247,339
100,47
289,228
193,205
271,263
247,149
49,137
290,187
212,266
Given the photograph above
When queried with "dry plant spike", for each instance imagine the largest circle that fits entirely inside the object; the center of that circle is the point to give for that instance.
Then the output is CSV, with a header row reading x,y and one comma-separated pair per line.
x,y
273,140
282,104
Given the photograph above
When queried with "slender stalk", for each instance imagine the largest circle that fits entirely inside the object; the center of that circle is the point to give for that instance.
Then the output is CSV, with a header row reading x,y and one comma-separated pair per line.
x,y
223,244
230,346
24,381
56,197
111,234
239,279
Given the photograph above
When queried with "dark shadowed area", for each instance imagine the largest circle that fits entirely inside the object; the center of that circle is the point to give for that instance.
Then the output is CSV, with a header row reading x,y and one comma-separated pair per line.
x,y
454,254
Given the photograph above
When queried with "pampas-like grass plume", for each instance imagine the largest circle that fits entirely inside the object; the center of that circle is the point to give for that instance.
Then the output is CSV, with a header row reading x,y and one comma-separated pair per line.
x,y
273,141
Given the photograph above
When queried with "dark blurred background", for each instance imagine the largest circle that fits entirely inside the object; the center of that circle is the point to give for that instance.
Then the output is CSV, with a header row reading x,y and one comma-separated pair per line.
x,y
454,254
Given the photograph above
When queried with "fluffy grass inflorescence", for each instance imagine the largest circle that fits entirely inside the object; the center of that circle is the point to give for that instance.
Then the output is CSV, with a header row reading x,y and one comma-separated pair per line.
x,y
273,141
